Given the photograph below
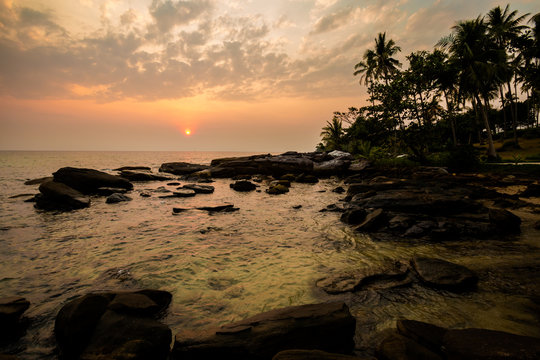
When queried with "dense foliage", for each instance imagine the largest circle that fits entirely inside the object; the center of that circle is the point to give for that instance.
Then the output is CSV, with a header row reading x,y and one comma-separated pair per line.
x,y
481,81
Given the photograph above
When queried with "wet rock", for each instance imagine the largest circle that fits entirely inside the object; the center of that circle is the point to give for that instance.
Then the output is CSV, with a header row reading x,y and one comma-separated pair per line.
x,y
399,223
182,193
219,208
133,175
11,326
134,168
307,179
358,166
174,183
200,189
373,221
145,194
58,196
21,195
532,190
243,186
288,177
241,177
277,189
181,168
505,221
261,164
398,347
443,274
353,216
106,191
114,325
428,335
339,190
116,198
178,210
285,183
331,167
480,344
328,327
315,355
332,208
296,207
88,181
38,181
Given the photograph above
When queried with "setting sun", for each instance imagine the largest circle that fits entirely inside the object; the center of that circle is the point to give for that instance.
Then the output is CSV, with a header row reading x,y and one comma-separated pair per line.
x,y
188,132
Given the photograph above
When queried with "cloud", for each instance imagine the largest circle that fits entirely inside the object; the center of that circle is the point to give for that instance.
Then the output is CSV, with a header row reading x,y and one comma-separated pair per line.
x,y
168,13
333,21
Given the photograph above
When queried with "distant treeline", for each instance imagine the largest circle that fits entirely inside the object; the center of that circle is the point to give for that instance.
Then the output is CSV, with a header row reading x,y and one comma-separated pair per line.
x,y
479,82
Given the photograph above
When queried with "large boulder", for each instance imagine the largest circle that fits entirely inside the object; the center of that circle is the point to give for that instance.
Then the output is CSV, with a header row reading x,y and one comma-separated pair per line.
x,y
505,221
134,175
114,325
11,310
181,168
443,274
398,347
243,186
329,327
88,181
116,198
261,164
331,167
58,196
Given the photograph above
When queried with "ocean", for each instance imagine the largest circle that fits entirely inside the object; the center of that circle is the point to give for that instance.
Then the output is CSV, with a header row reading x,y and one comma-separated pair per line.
x,y
219,267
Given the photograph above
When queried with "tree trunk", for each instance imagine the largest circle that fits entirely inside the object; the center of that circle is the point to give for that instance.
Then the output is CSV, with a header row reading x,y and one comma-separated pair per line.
x,y
503,111
513,111
451,118
492,154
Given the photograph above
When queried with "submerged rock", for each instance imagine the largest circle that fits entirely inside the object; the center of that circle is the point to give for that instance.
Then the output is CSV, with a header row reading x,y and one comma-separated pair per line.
x,y
88,181
116,198
328,327
373,221
443,274
219,208
11,310
114,325
58,196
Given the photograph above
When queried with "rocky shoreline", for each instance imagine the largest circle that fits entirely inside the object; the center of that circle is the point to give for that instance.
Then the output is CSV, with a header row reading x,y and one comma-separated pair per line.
x,y
422,204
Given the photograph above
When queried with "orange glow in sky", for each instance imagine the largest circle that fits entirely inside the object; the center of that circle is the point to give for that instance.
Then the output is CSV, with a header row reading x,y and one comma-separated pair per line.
x,y
188,132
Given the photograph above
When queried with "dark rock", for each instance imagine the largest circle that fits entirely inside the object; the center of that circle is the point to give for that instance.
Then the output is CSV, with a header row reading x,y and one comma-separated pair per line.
x,y
145,194
106,191
358,166
339,190
177,210
328,327
116,198
277,189
38,181
373,221
285,183
200,189
307,179
58,196
353,216
243,186
505,221
142,176
289,177
443,274
296,207
134,168
11,326
399,223
241,177
88,181
537,225
336,154
331,167
219,208
174,183
314,355
181,193
114,325
181,168
261,164
428,335
332,208
398,347
480,344
21,195
532,190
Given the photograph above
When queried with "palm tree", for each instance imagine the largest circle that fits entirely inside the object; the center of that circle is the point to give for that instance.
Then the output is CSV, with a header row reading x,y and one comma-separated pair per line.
x,y
475,55
379,63
332,134
504,28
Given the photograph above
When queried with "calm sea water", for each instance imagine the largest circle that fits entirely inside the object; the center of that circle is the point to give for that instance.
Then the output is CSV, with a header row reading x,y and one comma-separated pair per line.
x,y
225,267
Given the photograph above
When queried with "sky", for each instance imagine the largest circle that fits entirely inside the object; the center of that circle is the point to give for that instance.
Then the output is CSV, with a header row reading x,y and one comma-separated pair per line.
x,y
253,75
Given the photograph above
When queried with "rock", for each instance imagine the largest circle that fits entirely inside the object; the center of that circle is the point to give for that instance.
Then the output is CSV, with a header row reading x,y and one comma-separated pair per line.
x,y
181,168
58,196
443,274
88,181
38,181
145,194
328,327
219,208
537,225
181,193
285,183
289,177
296,207
532,190
11,310
307,179
331,167
177,210
428,335
336,154
358,166
353,216
505,221
243,186
261,164
277,189
200,189
482,344
398,347
114,325
116,198
373,221
142,176
339,190
134,168
106,191
241,177
21,195
332,208
314,355
174,183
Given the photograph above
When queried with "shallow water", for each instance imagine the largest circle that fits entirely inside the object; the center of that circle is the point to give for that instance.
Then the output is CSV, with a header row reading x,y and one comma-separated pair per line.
x,y
225,267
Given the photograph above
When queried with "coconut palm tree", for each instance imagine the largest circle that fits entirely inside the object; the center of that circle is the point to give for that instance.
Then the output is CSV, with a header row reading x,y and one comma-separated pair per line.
x,y
332,134
476,56
379,63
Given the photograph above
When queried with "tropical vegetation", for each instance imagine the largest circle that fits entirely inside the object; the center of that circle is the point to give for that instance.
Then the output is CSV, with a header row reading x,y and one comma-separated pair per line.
x,y
478,84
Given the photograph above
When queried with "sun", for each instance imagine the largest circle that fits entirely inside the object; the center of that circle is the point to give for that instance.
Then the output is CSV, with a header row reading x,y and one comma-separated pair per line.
x,y
187,132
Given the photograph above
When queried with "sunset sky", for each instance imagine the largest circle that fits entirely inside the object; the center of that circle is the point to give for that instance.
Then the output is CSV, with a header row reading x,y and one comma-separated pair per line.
x,y
253,75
